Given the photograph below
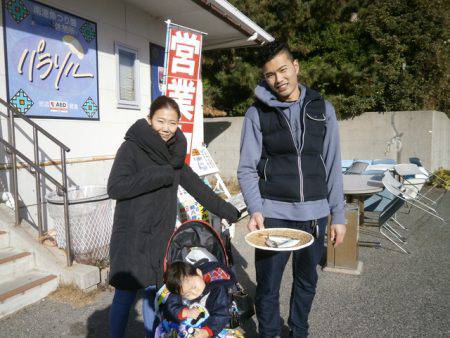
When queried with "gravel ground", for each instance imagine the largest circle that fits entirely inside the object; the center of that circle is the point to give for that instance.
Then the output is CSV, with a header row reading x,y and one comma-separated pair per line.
x,y
397,295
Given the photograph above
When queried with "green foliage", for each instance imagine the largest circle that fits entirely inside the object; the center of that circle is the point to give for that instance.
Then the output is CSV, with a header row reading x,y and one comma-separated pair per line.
x,y
361,55
443,174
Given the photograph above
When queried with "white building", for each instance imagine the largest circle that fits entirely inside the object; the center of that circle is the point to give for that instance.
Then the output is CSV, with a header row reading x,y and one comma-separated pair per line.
x,y
124,28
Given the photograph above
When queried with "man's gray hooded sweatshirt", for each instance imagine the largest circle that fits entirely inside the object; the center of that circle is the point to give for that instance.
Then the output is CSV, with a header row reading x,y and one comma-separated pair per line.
x,y
251,149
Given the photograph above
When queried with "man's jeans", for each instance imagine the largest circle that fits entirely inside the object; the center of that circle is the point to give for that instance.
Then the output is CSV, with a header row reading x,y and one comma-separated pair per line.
x,y
120,309
269,271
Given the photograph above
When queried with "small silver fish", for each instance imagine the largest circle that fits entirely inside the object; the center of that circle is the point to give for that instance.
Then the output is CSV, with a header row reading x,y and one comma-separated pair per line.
x,y
281,241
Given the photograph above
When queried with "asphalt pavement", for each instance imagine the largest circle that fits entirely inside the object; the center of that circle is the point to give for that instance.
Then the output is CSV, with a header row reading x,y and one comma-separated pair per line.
x,y
397,295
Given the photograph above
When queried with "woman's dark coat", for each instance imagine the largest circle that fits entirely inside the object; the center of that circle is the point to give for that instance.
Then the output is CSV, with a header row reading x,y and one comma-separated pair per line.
x,y
144,180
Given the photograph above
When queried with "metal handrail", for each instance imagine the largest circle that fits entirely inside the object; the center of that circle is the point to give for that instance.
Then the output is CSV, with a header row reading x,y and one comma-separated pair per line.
x,y
11,145
35,125
31,164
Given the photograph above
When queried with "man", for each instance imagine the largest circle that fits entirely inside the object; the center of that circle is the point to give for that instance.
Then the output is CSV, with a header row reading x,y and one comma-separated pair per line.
x,y
290,175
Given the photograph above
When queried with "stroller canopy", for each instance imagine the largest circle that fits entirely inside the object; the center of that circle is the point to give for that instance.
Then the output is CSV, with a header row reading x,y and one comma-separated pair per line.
x,y
192,234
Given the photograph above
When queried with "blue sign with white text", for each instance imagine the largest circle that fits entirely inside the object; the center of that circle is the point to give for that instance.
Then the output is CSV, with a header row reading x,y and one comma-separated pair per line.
x,y
156,69
51,60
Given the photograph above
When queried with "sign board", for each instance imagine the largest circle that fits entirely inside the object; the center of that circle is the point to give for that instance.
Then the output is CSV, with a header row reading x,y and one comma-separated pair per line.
x,y
202,162
188,208
182,68
156,70
51,58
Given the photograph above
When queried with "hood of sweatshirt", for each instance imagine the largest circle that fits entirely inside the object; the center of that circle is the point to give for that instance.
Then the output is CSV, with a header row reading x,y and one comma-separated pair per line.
x,y
266,96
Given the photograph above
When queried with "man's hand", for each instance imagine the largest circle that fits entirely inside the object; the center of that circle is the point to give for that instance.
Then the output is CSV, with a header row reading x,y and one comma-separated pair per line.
x,y
337,234
201,333
256,222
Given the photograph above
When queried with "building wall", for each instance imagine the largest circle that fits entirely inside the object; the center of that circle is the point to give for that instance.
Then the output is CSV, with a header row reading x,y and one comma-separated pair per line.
x,y
119,22
440,141
370,136
116,21
222,137
424,134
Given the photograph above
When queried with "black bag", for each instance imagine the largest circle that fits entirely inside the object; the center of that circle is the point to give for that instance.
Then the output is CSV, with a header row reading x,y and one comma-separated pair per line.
x,y
243,306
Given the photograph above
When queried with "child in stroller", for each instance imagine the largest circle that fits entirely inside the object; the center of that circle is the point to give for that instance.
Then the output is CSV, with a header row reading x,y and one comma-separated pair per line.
x,y
198,296
197,300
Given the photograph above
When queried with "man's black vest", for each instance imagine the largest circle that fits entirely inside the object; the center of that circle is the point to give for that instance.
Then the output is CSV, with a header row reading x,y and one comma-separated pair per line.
x,y
288,173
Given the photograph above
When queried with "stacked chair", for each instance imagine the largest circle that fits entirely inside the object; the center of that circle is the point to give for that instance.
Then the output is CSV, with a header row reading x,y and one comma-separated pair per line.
x,y
357,168
345,164
402,194
403,188
427,176
387,220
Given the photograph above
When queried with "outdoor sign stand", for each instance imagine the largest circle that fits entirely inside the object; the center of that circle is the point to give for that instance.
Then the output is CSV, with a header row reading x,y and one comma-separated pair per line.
x,y
203,164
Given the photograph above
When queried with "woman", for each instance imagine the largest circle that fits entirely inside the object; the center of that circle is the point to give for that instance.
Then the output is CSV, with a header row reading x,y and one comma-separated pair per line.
x,y
144,180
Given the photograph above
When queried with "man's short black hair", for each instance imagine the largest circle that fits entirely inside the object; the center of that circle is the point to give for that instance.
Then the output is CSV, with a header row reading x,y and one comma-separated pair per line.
x,y
175,273
272,49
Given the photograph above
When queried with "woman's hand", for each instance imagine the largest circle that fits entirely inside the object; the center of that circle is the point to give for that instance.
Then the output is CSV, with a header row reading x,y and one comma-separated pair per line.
x,y
231,214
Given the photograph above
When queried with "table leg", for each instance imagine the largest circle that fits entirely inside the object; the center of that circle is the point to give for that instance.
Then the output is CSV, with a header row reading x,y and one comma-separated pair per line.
x,y
361,210
361,223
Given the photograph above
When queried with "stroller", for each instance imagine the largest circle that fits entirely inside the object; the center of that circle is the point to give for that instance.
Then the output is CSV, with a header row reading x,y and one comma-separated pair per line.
x,y
196,242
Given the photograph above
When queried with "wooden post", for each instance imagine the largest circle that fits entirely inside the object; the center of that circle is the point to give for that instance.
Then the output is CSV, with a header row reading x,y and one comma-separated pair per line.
x,y
344,258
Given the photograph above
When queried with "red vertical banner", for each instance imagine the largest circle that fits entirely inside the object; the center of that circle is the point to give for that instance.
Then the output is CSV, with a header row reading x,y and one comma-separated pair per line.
x,y
183,57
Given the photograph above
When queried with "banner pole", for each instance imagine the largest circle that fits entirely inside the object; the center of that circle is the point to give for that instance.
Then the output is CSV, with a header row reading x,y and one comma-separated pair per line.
x,y
185,28
166,56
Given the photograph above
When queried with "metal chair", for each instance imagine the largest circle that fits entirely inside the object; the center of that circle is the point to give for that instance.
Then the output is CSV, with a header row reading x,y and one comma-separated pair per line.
x,y
377,169
408,194
415,177
384,161
357,168
345,164
429,176
387,228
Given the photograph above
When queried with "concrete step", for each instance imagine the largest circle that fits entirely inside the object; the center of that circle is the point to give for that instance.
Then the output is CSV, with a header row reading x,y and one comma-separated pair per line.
x,y
25,289
4,239
14,262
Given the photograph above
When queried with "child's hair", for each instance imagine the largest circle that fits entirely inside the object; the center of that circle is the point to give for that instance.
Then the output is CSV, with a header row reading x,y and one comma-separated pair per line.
x,y
164,102
175,273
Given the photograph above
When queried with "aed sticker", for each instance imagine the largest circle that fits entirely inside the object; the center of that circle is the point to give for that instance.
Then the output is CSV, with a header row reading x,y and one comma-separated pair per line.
x,y
58,106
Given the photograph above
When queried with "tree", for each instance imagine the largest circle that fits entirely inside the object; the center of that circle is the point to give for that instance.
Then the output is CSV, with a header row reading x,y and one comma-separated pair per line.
x,y
361,55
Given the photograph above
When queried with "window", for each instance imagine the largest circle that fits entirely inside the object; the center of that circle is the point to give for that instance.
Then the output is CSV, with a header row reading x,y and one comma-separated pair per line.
x,y
127,77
